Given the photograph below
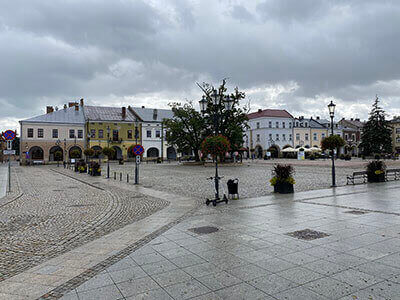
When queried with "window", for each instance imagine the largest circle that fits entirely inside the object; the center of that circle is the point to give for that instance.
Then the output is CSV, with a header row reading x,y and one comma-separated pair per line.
x,y
72,133
397,140
270,124
306,138
297,124
158,133
277,137
115,135
149,133
258,125
258,138
297,136
398,130
322,135
277,124
353,137
40,133
315,136
305,124
30,132
270,136
80,133
290,137
55,134
92,133
101,133
284,137
346,136
290,124
130,134
283,125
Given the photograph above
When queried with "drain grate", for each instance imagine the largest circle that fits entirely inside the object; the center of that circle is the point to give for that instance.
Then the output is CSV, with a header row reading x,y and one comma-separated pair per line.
x,y
356,212
308,234
204,230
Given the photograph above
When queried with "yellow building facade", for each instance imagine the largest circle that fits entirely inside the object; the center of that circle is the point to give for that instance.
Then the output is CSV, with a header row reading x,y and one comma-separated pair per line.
x,y
112,127
395,123
308,132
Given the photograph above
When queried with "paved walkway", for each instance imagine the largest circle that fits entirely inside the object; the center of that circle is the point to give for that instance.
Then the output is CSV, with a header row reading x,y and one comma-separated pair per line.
x,y
260,250
3,180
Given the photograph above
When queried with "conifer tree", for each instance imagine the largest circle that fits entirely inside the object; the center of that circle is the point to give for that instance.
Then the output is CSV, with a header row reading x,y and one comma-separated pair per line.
x,y
376,137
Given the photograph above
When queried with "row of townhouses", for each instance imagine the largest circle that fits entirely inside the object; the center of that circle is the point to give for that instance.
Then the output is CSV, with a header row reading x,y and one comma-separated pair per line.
x,y
276,129
77,126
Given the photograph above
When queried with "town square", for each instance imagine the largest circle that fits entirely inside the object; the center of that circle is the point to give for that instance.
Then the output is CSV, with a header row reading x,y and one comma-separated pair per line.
x,y
199,150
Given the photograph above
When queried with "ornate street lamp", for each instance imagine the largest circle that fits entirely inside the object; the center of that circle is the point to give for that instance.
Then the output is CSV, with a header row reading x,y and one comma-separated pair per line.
x,y
108,146
136,163
217,98
331,108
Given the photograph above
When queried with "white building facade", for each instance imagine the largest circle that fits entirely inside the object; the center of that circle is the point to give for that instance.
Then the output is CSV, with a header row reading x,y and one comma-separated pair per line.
x,y
269,128
154,133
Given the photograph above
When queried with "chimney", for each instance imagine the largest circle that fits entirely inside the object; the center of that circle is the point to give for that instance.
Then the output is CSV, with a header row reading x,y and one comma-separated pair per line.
x,y
65,106
317,117
123,112
358,119
76,107
259,110
71,104
155,114
81,102
351,119
143,106
49,109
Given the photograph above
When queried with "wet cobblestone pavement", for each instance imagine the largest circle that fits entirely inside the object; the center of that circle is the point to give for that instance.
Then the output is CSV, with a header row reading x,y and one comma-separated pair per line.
x,y
50,214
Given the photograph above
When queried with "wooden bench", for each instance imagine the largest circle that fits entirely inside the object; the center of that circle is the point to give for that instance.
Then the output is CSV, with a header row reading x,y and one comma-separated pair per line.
x,y
393,173
153,160
357,175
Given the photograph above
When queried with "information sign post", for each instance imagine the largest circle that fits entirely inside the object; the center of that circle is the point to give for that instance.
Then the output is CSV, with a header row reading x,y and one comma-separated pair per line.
x,y
138,150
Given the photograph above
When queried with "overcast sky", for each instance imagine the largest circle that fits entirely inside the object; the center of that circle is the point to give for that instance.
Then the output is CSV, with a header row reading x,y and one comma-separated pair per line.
x,y
290,54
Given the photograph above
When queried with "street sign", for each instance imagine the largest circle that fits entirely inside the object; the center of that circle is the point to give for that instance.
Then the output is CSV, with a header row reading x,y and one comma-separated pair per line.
x,y
138,159
138,150
9,152
9,135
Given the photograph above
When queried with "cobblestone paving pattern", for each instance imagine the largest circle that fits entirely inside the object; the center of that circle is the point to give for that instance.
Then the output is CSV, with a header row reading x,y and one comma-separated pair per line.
x,y
56,213
253,177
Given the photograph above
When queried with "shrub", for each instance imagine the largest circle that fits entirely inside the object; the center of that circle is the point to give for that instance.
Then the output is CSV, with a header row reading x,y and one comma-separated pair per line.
x,y
89,152
282,173
215,145
341,156
376,167
377,156
332,142
58,156
75,154
109,152
312,157
347,157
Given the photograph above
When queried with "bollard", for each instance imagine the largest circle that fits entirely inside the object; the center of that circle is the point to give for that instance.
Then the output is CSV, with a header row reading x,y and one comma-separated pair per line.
x,y
127,178
115,175
120,176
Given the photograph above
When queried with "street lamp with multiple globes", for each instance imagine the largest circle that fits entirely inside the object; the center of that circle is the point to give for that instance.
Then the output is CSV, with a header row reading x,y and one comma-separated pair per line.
x,y
331,108
217,99
108,146
136,142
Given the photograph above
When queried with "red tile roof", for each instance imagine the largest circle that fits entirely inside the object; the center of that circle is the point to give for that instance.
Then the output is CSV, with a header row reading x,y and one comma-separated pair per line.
x,y
275,113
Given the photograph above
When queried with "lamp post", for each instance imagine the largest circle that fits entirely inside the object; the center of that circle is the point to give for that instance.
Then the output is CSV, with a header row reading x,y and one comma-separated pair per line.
x,y
217,100
108,146
331,108
136,142
65,153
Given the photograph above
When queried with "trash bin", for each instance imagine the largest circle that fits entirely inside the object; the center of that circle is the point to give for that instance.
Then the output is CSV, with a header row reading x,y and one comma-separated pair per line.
x,y
233,187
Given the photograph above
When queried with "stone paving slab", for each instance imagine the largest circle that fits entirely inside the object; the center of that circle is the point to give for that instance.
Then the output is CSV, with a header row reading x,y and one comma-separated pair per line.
x,y
273,265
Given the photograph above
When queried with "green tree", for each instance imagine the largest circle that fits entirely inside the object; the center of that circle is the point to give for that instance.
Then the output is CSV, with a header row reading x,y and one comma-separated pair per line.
x,y
376,137
186,129
231,123
332,142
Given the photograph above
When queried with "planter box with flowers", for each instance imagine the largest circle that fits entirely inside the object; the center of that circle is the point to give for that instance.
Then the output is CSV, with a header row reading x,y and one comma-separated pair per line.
x,y
94,169
283,180
376,171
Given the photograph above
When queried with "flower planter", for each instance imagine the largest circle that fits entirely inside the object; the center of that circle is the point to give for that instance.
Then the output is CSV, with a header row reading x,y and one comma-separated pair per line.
x,y
376,177
283,188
